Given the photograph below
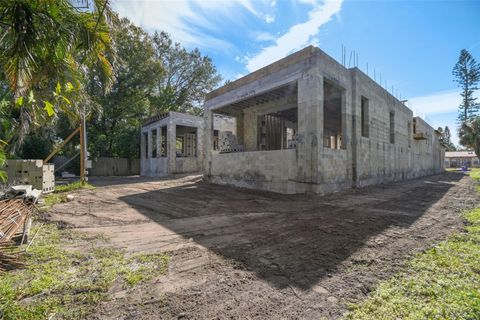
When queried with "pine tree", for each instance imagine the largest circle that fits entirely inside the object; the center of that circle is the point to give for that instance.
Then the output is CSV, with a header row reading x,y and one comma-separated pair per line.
x,y
467,76
445,139
449,146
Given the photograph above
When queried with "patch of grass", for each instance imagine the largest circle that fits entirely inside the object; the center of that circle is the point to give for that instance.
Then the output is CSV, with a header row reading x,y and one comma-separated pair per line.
x,y
70,283
475,174
72,187
60,193
54,198
442,283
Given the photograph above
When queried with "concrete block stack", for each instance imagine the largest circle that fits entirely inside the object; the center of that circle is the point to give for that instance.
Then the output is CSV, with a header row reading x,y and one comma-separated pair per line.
x,y
40,176
228,142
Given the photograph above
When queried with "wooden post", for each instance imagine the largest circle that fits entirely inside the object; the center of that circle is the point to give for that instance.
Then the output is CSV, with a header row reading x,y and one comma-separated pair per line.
x,y
82,152
54,152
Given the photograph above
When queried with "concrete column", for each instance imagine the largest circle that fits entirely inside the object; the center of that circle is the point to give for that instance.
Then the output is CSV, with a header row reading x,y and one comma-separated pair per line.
x,y
171,146
200,145
355,130
240,128
159,141
310,125
150,151
250,127
208,140
142,145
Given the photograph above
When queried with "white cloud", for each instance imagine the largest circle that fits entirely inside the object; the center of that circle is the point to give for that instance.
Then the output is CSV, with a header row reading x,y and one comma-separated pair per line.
x,y
184,19
310,2
297,36
263,36
246,3
269,18
436,103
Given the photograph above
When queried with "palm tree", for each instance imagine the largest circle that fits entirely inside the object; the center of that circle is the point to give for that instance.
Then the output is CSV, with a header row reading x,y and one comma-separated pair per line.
x,y
43,43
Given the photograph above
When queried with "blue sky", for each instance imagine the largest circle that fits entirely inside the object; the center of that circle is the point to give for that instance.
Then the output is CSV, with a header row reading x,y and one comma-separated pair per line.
x,y
413,44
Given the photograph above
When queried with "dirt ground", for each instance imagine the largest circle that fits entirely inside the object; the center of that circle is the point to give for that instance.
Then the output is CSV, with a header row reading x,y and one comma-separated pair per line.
x,y
239,253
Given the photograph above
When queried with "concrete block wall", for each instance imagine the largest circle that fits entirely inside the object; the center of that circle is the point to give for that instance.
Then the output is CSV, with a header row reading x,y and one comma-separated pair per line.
x,y
224,123
333,165
105,166
268,170
431,157
377,159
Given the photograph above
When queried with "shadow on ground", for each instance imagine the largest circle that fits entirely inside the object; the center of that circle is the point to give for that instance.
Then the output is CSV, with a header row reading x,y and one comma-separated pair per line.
x,y
288,239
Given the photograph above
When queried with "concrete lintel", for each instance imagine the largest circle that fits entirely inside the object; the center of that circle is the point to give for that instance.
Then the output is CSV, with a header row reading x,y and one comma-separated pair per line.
x,y
258,87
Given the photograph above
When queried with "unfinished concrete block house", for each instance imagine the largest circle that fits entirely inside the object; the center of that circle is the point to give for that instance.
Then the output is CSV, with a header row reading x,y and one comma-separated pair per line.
x,y
172,142
307,124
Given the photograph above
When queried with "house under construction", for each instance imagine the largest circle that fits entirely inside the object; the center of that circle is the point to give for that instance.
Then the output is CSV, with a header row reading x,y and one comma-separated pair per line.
x,y
308,124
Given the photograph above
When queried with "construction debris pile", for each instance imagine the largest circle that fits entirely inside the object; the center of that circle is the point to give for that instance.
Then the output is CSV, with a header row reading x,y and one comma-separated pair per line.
x,y
228,142
17,206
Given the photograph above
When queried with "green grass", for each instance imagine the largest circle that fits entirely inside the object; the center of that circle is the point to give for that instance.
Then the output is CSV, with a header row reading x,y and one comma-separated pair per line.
x,y
475,174
70,283
442,283
61,191
73,186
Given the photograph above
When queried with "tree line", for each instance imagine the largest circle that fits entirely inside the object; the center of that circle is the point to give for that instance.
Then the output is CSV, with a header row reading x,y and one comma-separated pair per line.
x,y
58,62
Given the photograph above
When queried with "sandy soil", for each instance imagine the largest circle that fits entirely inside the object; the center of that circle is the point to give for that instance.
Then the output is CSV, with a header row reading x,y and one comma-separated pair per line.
x,y
246,254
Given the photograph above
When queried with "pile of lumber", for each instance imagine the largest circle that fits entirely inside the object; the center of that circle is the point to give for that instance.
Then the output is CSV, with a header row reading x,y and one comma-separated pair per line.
x,y
15,217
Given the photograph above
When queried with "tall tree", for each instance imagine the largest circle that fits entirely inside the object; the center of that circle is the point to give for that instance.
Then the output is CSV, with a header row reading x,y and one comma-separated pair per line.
x,y
445,139
470,134
467,76
47,42
154,75
115,132
188,77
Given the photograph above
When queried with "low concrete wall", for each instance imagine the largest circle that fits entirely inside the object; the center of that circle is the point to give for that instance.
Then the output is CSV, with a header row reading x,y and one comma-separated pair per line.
x,y
268,170
115,167
187,165
154,167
